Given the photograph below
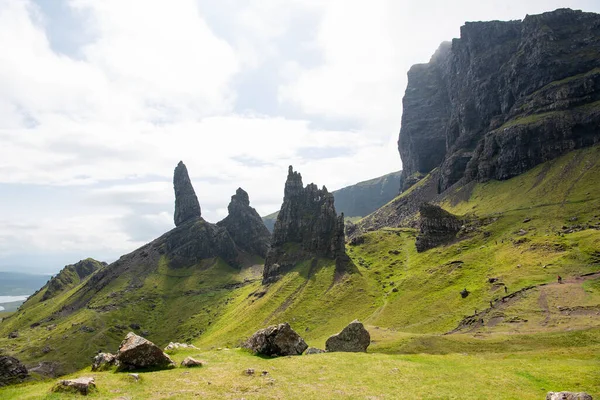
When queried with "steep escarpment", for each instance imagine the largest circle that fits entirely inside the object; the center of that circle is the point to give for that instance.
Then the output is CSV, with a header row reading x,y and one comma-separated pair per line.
x,y
245,225
307,226
502,98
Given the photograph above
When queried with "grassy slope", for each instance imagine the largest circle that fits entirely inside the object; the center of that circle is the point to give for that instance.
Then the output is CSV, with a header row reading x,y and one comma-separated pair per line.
x,y
526,346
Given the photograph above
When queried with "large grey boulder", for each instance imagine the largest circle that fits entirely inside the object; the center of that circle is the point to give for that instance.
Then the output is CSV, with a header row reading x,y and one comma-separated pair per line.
x,y
568,396
136,352
276,340
11,371
353,338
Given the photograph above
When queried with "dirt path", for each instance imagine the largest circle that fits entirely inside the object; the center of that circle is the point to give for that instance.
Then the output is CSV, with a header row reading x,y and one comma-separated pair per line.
x,y
475,321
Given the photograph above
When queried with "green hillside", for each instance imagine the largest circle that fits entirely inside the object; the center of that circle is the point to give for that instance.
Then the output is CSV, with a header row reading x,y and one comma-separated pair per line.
x,y
536,335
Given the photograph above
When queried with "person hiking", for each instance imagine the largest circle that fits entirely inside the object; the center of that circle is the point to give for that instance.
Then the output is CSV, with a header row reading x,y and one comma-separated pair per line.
x,y
559,279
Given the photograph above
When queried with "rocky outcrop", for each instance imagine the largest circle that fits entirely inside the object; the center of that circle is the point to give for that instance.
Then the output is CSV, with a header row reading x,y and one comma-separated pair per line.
x,y
245,226
503,98
187,206
103,361
314,350
136,352
353,338
190,362
275,341
307,226
70,276
568,396
83,385
437,227
176,346
11,371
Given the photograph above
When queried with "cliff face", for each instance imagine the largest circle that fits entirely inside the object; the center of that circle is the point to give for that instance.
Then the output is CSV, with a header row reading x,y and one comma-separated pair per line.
x,y
307,226
245,225
436,227
503,98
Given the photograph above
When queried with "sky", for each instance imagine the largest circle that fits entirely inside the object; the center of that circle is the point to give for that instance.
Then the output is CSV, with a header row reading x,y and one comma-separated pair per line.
x,y
99,100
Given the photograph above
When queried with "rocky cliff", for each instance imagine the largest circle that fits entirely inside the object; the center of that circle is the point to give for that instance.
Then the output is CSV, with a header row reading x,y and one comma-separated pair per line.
x,y
360,199
187,206
437,226
503,98
70,276
307,226
245,225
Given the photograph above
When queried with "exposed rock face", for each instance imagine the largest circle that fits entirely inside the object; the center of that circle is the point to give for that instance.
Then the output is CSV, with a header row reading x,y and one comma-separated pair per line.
x,y
187,206
11,371
568,396
503,98
70,276
245,225
136,352
308,223
276,340
103,361
353,338
437,227
83,386
176,346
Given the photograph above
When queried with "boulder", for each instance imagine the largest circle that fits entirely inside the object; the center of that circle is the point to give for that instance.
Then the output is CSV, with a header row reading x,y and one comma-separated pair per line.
x,y
13,335
11,371
103,361
276,340
568,396
82,385
314,350
353,338
190,362
136,352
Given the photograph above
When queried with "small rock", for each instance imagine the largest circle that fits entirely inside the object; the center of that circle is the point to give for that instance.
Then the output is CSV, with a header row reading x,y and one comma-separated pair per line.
x,y
190,362
82,385
13,335
526,220
46,349
395,290
176,346
492,280
135,377
464,293
249,372
314,350
353,338
135,326
264,373
568,396
103,361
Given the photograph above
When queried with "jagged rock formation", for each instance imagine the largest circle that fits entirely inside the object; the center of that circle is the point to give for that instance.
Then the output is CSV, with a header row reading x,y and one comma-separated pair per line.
x,y
307,224
11,371
503,98
360,199
70,276
437,227
187,206
245,225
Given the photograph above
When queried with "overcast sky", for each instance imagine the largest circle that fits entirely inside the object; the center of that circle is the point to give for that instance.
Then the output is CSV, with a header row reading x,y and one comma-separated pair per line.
x,y
99,100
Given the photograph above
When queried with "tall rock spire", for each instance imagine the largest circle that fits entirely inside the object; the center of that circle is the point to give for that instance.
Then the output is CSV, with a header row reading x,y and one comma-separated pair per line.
x,y
186,202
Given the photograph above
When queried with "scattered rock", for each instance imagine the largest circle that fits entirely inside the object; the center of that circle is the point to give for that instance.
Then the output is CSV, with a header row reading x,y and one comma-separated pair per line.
x,y
46,349
568,396
526,220
13,335
190,362
135,326
249,372
135,377
264,373
83,385
103,361
353,338
176,346
492,280
11,371
137,352
87,329
276,340
314,350
464,293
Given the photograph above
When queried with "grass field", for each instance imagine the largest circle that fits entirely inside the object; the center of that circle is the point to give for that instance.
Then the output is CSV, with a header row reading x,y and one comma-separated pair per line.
x,y
517,336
